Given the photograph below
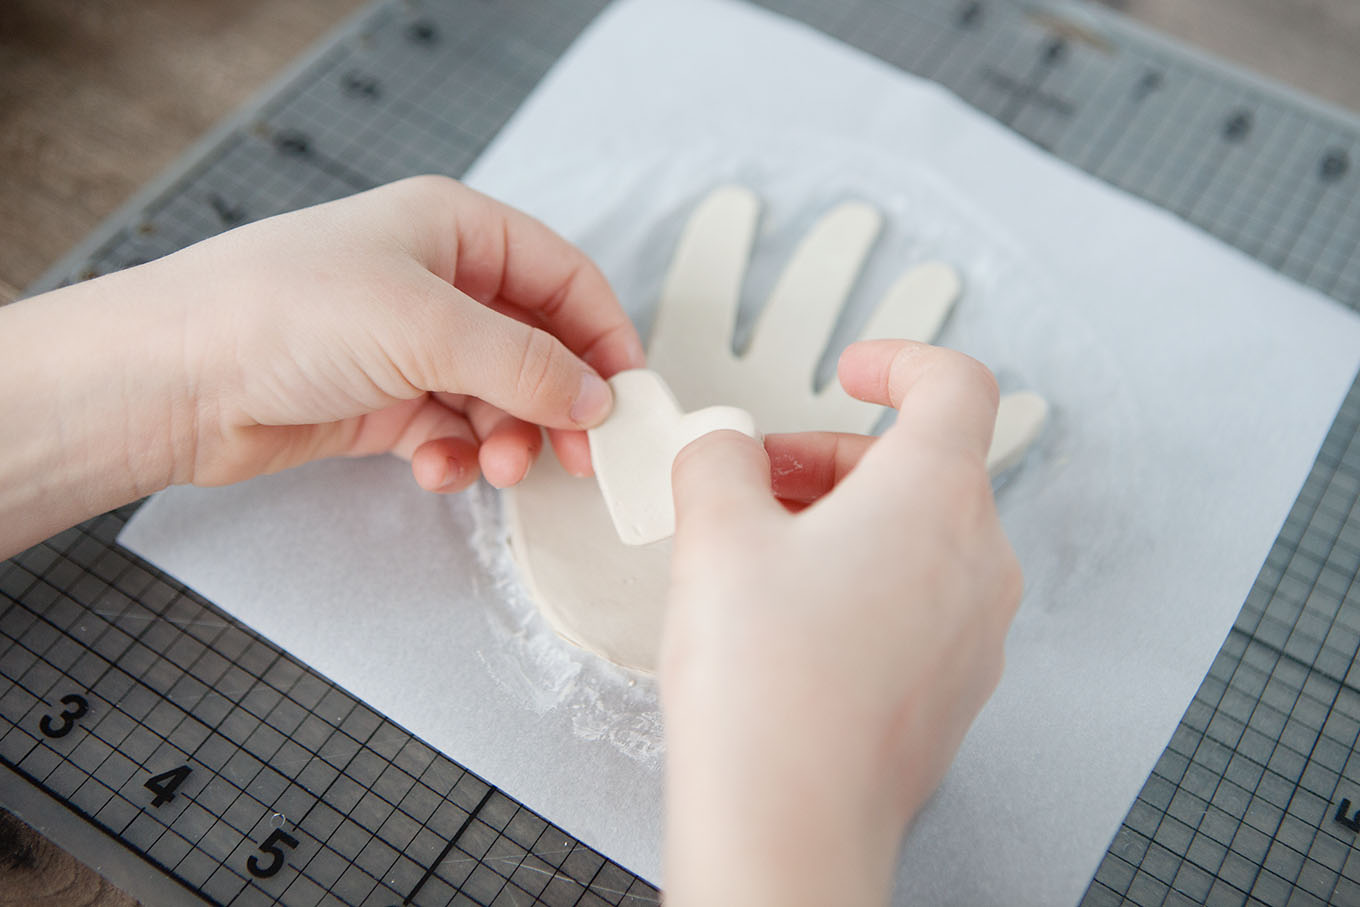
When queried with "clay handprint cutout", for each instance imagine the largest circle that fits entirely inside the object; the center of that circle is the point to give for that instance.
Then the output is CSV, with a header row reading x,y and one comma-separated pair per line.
x,y
691,343
609,597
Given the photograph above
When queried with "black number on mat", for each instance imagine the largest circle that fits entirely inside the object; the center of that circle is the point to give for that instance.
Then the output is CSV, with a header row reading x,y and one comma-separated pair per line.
x,y
360,85
271,846
1333,165
1344,817
293,142
68,717
165,784
229,214
1237,126
422,33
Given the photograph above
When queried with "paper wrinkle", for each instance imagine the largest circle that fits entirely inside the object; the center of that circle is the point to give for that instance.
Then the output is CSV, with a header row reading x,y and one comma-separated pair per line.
x,y
1191,390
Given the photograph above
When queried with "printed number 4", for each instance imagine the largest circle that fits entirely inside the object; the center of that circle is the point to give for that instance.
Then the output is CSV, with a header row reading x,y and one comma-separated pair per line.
x,y
271,846
165,784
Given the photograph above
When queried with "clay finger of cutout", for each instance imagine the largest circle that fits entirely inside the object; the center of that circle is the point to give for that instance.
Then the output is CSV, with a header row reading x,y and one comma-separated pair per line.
x,y
916,305
914,308
702,290
802,309
1020,418
634,448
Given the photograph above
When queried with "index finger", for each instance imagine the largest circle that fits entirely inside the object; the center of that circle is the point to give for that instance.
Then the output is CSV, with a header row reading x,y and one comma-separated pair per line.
x,y
941,395
502,254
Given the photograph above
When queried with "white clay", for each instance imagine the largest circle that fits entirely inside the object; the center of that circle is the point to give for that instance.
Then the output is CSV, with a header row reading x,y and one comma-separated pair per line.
x,y
1019,419
609,597
633,450
801,311
593,589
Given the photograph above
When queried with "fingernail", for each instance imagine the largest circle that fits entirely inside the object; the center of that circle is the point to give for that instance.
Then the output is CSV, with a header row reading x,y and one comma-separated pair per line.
x,y
592,403
453,474
506,483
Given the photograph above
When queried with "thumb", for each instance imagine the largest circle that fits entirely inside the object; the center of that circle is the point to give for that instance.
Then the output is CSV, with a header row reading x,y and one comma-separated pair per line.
x,y
521,369
721,478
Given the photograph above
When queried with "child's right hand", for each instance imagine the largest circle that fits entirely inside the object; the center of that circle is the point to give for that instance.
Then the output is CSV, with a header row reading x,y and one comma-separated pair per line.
x,y
419,318
819,669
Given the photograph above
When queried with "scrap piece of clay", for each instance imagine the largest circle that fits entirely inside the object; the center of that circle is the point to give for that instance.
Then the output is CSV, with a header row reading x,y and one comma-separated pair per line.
x,y
1019,419
634,448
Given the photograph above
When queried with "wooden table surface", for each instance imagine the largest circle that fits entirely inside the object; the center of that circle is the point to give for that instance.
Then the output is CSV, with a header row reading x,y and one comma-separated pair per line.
x,y
98,96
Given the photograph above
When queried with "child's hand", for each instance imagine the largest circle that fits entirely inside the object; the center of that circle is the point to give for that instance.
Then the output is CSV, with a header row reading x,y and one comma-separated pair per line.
x,y
419,318
819,669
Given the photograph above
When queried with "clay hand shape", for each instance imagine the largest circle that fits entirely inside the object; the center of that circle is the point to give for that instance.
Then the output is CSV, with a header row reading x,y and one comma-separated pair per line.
x,y
691,344
610,597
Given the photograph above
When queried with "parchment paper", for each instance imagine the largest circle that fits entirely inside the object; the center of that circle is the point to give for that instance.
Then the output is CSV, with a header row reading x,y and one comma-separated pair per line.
x,y
1191,390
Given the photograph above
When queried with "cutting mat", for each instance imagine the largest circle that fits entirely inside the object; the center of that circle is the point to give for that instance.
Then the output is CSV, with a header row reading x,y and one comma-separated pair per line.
x,y
157,738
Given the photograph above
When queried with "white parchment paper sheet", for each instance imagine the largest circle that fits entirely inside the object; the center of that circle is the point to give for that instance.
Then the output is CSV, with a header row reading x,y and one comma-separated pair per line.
x,y
1191,390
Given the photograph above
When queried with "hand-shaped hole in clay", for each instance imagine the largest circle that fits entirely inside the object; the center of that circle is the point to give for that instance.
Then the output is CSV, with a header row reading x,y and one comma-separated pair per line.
x,y
609,597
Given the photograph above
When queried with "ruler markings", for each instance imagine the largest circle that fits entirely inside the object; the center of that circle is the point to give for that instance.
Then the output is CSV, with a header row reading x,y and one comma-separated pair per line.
x,y
65,758
425,877
1339,685
1351,255
932,59
243,781
1241,819
1029,89
1258,147
187,715
1299,207
154,845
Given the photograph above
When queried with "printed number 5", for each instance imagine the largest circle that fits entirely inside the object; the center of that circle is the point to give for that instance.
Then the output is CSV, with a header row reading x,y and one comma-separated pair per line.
x,y
271,846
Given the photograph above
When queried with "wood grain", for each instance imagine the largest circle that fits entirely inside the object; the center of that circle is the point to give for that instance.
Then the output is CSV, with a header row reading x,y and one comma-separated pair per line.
x,y
36,873
100,95
1313,45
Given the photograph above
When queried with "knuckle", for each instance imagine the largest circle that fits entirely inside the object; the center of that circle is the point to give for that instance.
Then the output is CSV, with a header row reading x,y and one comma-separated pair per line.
x,y
540,356
913,361
973,374
703,452
690,458
702,507
903,368
427,185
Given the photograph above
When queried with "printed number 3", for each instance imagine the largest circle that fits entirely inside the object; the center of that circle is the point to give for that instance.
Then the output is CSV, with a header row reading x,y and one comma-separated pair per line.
x,y
271,846
77,710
